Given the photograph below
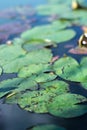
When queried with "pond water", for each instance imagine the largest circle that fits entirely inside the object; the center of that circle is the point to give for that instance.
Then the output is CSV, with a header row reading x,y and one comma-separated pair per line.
x,y
9,3
12,117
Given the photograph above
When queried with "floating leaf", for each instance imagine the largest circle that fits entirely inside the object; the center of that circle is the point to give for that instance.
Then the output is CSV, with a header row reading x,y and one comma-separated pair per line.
x,y
69,69
37,45
9,85
49,32
48,127
34,69
56,86
9,53
18,41
44,77
52,9
65,105
34,99
35,57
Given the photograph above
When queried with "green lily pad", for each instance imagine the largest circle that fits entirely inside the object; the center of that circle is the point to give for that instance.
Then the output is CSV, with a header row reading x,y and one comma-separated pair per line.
x,y
30,98
29,70
69,69
56,86
18,41
49,32
44,77
65,105
9,53
37,45
52,9
35,57
9,85
48,127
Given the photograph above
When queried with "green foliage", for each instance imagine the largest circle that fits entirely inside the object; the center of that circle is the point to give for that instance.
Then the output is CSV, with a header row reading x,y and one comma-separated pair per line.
x,y
65,105
49,32
35,97
69,69
34,57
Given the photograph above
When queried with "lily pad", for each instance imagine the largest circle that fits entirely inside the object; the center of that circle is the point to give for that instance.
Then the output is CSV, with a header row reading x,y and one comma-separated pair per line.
x,y
9,53
44,77
34,69
35,57
50,32
18,41
48,127
52,9
33,97
9,85
56,86
69,69
37,45
65,105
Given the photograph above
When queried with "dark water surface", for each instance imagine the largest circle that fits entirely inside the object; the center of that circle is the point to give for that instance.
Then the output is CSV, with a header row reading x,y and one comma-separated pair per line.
x,y
12,117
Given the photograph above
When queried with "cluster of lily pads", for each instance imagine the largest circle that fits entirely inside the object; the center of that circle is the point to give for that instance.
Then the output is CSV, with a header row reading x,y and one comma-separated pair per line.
x,y
36,87
65,11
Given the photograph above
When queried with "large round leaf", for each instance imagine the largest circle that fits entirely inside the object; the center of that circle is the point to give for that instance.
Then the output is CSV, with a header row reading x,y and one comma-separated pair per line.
x,y
49,32
36,97
65,105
